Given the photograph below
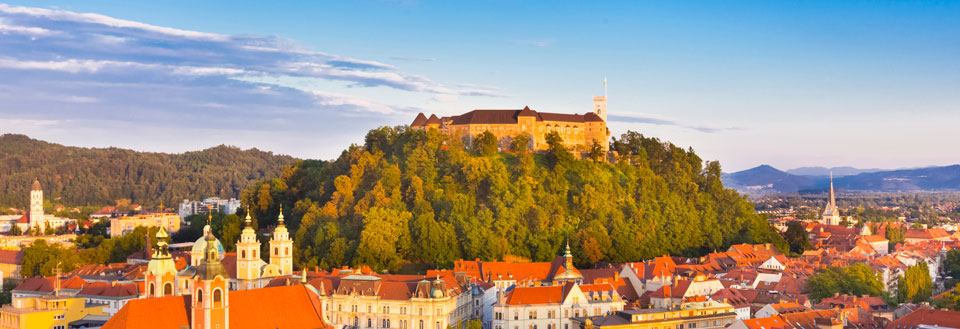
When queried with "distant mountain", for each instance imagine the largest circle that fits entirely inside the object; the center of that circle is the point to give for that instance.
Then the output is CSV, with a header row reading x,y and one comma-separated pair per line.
x,y
837,171
765,180
98,176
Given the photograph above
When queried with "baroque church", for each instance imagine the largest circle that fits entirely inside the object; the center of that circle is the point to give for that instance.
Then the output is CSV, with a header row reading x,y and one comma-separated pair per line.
x,y
200,296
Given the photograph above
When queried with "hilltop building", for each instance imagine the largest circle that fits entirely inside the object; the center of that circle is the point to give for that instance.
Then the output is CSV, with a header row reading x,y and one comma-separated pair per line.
x,y
578,131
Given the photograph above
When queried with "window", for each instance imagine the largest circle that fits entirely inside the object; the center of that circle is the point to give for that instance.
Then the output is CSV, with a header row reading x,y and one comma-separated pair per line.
x,y
152,290
421,321
254,253
286,251
693,325
276,251
217,297
369,323
243,254
168,289
199,295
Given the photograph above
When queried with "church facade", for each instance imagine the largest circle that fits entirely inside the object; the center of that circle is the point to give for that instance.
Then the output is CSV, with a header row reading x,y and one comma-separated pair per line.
x,y
578,131
35,217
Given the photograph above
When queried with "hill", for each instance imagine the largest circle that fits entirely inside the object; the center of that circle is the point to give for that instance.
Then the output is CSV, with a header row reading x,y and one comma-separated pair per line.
x,y
836,171
409,197
98,176
763,180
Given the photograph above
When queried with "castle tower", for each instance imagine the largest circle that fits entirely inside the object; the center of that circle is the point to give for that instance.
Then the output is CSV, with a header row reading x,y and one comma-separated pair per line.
x,y
36,206
281,247
210,301
248,249
161,275
600,106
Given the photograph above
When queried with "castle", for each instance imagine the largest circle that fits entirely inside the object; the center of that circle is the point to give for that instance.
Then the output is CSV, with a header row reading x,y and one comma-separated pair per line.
x,y
578,131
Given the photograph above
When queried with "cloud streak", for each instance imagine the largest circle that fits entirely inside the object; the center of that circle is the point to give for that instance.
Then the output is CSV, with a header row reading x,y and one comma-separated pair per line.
x,y
660,121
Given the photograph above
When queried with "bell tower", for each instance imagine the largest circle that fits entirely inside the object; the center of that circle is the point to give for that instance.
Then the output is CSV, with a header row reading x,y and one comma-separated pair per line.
x,y
248,249
161,276
210,301
36,205
600,107
281,247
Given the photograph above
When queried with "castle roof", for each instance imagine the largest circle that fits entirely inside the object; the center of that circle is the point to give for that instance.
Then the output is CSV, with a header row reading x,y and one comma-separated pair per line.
x,y
433,120
507,116
419,121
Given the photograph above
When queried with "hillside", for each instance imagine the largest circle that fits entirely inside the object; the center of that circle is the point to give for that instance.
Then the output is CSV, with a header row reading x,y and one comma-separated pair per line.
x,y
98,176
763,180
410,197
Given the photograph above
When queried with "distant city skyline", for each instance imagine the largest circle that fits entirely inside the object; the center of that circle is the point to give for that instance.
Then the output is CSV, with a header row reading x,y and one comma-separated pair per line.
x,y
867,85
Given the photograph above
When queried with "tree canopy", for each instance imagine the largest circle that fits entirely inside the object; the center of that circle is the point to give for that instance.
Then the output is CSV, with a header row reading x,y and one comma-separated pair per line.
x,y
418,197
857,279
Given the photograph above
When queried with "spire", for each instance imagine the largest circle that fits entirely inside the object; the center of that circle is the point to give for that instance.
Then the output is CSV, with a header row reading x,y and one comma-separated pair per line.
x,y
280,218
56,278
303,277
36,185
247,221
567,253
833,202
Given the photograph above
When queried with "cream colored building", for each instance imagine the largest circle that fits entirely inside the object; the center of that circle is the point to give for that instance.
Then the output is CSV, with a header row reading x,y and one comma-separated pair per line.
x,y
126,224
578,131
554,307
17,242
393,301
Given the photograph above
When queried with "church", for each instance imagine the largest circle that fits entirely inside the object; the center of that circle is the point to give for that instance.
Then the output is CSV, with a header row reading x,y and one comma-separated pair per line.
x,y
35,218
578,131
199,297
831,215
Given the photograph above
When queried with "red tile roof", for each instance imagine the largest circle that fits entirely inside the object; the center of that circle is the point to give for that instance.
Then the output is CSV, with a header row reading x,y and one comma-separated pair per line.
x,y
277,307
11,256
949,319
536,295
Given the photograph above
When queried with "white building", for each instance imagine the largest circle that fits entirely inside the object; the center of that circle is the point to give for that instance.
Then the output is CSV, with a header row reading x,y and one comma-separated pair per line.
x,y
224,206
552,307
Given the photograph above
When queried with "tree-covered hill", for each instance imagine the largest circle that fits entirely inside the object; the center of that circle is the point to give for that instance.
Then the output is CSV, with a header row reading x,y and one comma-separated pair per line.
x,y
416,197
98,176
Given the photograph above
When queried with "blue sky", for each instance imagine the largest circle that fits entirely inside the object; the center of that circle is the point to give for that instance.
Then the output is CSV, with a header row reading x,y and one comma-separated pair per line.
x,y
860,83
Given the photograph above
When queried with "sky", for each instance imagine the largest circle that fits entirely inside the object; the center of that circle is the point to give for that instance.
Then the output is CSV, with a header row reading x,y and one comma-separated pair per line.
x,y
871,84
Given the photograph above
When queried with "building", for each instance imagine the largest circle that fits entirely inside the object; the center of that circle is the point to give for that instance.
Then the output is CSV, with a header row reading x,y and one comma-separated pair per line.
x,y
780,308
932,234
358,299
122,225
209,304
19,241
44,303
578,131
831,215
552,307
927,319
875,305
699,315
35,217
224,206
10,263
252,271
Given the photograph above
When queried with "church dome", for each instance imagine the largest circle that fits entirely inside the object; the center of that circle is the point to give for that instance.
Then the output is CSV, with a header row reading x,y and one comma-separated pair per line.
x,y
201,244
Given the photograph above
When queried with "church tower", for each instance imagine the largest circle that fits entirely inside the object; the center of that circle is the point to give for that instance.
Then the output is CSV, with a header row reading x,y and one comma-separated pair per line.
x,y
248,258
36,206
831,215
281,247
161,276
210,301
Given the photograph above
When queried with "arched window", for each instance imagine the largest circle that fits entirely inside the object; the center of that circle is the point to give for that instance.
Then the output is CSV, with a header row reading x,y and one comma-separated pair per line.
x,y
152,289
286,251
276,251
217,297
199,295
243,254
167,289
254,253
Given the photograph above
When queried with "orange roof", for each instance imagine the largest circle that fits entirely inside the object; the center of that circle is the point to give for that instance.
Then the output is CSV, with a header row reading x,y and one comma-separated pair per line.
x,y
950,319
773,322
276,307
537,295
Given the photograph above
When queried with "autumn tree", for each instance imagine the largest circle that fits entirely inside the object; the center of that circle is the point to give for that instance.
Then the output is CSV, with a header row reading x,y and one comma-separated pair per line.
x,y
485,144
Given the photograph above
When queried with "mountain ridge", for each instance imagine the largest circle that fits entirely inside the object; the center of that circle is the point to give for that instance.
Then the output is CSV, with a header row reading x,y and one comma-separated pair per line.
x,y
765,180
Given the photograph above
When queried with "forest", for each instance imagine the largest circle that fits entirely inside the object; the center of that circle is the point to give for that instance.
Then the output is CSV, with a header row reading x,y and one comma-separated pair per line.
x,y
409,198
75,176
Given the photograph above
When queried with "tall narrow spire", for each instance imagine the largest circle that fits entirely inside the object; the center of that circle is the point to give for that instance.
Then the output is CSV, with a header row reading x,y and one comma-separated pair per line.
x,y
833,201
280,218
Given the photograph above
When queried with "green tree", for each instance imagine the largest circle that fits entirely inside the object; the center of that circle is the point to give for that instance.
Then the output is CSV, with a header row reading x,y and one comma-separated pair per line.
x,y
857,279
596,151
521,143
15,230
379,245
230,232
950,300
559,154
485,144
797,238
894,235
951,266
915,285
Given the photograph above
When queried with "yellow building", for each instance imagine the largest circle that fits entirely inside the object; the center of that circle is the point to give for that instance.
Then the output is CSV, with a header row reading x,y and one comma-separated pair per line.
x,y
578,131
699,315
49,311
123,225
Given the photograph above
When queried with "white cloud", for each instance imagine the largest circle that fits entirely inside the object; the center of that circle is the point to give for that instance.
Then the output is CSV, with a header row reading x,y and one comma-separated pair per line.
x,y
63,15
28,30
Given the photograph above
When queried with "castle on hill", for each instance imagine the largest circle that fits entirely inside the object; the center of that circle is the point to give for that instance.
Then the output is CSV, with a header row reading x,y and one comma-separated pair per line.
x,y
578,131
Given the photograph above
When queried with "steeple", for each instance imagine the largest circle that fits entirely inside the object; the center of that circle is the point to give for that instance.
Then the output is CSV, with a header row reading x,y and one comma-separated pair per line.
x,y
831,215
833,201
161,275
210,267
248,249
568,258
210,303
281,247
